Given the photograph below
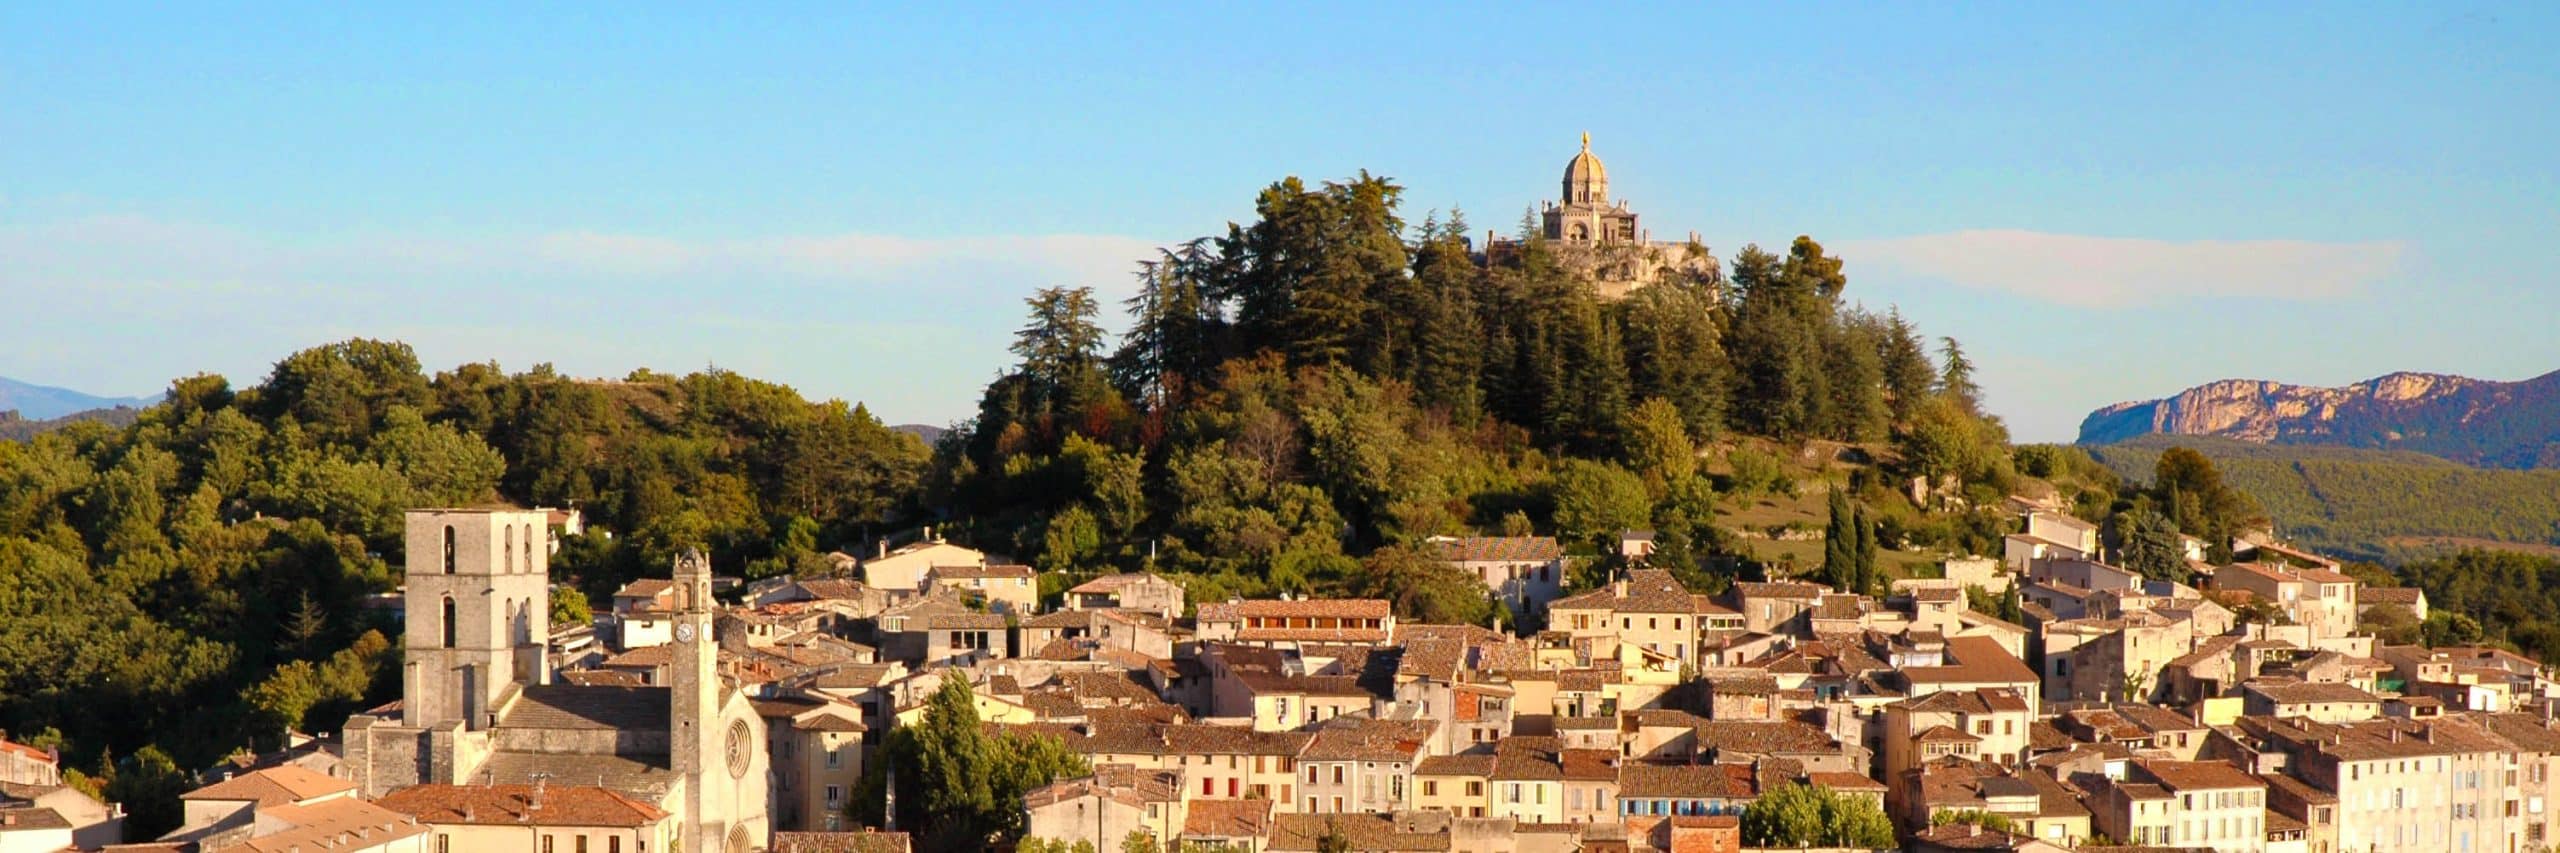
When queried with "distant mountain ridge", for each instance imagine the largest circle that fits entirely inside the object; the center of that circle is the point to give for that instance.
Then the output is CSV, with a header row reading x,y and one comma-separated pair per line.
x,y
15,428
2477,422
44,402
930,434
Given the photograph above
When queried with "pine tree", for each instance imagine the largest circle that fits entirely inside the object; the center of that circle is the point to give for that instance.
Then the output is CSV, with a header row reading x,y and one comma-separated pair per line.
x,y
1172,339
1061,349
1675,353
1908,375
306,624
1449,345
1769,349
1956,379
1853,377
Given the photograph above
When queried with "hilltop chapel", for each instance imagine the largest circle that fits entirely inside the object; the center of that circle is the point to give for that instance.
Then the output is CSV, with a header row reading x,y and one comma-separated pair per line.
x,y
1599,241
477,704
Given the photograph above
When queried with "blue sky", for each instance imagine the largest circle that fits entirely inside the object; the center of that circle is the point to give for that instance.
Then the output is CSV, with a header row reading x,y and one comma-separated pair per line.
x,y
2103,203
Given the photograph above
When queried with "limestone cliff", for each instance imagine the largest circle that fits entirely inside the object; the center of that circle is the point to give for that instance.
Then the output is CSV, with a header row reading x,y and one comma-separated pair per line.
x,y
2474,421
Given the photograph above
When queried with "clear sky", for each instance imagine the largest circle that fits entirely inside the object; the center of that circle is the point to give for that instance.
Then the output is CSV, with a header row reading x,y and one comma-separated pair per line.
x,y
2104,202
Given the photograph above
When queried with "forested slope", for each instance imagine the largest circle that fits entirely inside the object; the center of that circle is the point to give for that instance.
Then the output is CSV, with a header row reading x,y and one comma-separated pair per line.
x,y
2388,506
189,584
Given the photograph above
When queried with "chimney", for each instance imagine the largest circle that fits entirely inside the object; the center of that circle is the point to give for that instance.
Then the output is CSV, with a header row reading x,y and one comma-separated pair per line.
x,y
1618,587
538,787
884,548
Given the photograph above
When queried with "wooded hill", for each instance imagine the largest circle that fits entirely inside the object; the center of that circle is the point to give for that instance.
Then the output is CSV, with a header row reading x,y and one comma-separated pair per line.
x,y
1298,403
190,584
2379,505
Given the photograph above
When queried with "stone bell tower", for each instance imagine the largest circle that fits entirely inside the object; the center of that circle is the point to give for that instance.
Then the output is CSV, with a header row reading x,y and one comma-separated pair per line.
x,y
709,752
478,605
696,678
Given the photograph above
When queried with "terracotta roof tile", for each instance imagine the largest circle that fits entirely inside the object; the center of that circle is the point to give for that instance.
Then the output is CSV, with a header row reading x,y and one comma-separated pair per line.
x,y
1246,818
330,824
1691,781
1499,549
274,785
1467,764
512,805
2197,775
1412,832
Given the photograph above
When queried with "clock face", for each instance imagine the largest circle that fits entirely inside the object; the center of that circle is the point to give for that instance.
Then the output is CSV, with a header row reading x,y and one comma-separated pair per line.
x,y
684,633
737,746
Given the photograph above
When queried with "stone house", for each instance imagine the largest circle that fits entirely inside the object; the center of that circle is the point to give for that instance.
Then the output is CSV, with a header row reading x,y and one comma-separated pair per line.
x,y
2401,785
1106,807
33,830
1292,623
2113,659
26,765
93,824
282,808
1458,785
1005,589
1128,591
1524,572
2208,804
1769,608
2319,599
1973,663
1233,824
1528,780
1649,613
1228,762
2322,702
1407,832
1590,785
816,754
1660,790
533,818
901,572
644,613
1995,721
2408,598
1356,765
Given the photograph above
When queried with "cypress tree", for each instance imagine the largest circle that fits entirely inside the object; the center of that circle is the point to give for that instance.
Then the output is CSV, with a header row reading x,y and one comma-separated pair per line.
x,y
1868,577
1840,543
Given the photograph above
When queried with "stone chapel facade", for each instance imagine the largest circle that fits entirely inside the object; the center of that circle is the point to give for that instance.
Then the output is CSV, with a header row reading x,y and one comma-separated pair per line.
x,y
478,707
1599,240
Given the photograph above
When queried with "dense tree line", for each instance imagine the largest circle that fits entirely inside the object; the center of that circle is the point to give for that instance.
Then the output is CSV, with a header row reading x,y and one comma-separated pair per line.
x,y
1300,401
2386,506
190,584
2503,597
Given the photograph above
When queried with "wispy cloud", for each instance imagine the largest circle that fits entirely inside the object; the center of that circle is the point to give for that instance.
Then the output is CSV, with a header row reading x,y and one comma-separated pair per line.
x,y
2108,272
913,325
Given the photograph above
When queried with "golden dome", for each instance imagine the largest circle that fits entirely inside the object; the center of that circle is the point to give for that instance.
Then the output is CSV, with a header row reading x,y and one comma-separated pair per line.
x,y
1585,180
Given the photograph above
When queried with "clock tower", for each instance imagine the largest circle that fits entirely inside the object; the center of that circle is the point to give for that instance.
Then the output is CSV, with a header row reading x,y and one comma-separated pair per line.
x,y
716,740
696,746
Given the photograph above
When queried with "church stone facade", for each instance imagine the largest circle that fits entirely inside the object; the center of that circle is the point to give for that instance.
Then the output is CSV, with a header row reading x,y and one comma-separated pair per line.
x,y
1599,240
477,706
